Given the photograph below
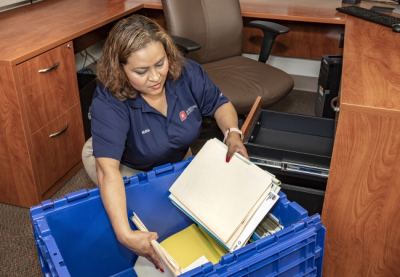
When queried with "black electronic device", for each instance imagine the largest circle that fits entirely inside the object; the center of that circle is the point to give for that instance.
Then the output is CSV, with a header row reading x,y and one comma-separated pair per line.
x,y
328,85
370,15
396,28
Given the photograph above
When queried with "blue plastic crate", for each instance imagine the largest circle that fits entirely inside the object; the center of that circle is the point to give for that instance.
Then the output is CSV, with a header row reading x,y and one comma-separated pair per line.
x,y
74,236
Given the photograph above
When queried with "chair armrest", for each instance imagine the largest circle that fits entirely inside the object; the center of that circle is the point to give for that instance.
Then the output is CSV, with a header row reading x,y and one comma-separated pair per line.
x,y
185,45
270,30
270,27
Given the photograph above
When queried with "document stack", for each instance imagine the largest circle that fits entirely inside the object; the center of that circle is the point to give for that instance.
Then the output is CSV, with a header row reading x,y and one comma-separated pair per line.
x,y
228,200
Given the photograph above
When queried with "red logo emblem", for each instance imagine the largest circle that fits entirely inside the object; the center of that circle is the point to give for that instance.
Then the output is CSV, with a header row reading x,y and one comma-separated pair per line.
x,y
182,115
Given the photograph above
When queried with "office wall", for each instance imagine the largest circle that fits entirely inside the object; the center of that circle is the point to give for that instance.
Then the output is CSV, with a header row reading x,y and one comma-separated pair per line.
x,y
9,2
12,4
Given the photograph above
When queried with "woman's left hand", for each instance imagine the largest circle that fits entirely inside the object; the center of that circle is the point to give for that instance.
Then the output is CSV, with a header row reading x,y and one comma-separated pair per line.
x,y
235,144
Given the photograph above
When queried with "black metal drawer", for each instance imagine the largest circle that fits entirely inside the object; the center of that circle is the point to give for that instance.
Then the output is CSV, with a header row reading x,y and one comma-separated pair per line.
x,y
296,148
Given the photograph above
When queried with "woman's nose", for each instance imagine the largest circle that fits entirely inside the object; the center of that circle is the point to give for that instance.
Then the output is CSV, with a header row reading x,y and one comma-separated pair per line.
x,y
154,75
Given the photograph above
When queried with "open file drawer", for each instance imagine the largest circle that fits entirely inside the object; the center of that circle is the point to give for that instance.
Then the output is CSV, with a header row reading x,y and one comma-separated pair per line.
x,y
295,148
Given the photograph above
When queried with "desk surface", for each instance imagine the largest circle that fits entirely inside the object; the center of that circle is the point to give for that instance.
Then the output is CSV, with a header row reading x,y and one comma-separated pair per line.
x,y
28,31
33,29
371,69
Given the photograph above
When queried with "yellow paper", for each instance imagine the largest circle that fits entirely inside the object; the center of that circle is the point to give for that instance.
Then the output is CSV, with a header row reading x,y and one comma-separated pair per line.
x,y
215,244
189,245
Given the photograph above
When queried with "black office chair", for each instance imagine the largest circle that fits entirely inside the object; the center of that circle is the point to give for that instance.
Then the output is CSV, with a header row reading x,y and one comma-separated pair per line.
x,y
217,26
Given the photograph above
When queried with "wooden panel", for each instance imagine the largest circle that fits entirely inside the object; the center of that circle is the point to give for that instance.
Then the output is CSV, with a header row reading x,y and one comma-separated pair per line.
x,y
64,179
91,38
16,177
47,95
56,156
371,68
156,14
86,40
251,117
305,40
361,208
31,30
300,10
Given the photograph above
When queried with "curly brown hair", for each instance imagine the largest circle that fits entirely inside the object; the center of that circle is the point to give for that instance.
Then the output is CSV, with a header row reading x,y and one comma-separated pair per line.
x,y
127,36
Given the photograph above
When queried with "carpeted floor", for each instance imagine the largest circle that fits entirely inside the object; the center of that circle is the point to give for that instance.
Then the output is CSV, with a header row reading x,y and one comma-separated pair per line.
x,y
18,254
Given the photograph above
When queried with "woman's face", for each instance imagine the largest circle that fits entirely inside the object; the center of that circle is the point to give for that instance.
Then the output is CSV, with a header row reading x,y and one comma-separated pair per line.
x,y
147,69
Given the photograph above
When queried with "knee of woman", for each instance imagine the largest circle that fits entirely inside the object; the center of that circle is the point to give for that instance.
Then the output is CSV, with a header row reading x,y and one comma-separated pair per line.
x,y
87,150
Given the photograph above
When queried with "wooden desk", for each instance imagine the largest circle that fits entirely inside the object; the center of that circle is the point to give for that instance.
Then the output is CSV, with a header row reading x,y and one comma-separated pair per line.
x,y
36,105
361,206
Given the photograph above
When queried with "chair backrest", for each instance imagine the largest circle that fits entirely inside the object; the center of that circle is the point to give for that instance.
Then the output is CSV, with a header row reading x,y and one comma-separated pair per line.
x,y
214,24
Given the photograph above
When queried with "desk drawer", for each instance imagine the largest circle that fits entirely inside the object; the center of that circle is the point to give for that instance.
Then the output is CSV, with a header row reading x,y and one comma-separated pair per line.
x,y
296,148
48,85
57,147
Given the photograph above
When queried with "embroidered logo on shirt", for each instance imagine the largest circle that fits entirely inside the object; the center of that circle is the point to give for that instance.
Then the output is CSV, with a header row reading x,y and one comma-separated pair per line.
x,y
182,115
145,131
191,109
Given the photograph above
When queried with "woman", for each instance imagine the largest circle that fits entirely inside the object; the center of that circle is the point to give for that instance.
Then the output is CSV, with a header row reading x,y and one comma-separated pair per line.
x,y
147,112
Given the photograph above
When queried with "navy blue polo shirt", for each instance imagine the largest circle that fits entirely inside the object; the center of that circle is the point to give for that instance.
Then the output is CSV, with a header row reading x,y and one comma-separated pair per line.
x,y
139,136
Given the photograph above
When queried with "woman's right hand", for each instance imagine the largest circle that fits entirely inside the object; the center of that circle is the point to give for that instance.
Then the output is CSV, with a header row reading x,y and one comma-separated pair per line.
x,y
112,190
139,242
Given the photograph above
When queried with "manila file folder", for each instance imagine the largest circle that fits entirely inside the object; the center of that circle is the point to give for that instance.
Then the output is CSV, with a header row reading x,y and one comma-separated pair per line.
x,y
221,195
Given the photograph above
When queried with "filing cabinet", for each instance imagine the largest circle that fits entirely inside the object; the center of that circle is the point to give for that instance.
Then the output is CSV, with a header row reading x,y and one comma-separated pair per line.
x,y
48,127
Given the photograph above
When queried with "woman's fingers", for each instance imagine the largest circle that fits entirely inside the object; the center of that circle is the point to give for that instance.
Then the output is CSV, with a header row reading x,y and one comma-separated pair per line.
x,y
140,243
235,144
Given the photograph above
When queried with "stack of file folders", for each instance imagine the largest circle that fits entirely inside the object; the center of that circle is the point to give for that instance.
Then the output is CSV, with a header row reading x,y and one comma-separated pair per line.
x,y
268,226
228,200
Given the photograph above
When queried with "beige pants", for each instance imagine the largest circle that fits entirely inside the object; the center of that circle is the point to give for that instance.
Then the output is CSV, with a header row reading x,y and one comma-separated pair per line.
x,y
89,163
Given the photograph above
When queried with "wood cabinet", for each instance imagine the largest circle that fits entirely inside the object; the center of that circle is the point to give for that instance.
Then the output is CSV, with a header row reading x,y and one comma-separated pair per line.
x,y
41,130
48,85
361,208
57,147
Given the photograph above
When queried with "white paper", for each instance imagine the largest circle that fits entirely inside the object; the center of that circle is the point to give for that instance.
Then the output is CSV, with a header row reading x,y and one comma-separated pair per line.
x,y
144,268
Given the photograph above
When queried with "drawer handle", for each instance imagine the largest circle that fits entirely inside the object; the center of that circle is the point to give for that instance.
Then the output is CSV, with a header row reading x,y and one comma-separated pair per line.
x,y
50,68
59,133
334,108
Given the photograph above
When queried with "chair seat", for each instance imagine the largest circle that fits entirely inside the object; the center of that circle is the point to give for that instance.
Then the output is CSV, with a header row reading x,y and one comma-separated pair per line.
x,y
242,79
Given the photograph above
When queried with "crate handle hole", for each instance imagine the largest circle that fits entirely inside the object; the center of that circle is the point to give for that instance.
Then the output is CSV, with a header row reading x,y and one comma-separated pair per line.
x,y
55,254
62,263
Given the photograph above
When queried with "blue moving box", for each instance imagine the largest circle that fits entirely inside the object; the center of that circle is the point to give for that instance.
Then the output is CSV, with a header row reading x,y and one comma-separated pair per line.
x,y
74,236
